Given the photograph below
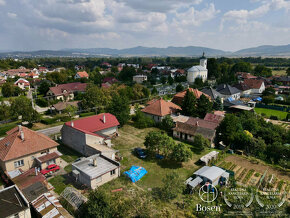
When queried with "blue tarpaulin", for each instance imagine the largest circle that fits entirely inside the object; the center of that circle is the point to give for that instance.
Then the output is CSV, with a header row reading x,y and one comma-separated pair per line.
x,y
135,173
257,99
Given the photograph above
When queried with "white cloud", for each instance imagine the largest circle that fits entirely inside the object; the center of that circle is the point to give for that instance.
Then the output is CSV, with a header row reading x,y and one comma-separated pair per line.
x,y
2,2
195,17
11,15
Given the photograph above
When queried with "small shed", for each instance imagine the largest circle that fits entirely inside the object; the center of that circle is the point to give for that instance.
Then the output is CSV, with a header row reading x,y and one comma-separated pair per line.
x,y
208,157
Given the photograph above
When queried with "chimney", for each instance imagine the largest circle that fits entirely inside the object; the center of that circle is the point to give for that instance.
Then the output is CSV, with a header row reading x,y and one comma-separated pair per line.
x,y
104,118
95,162
22,135
19,128
35,168
197,123
72,124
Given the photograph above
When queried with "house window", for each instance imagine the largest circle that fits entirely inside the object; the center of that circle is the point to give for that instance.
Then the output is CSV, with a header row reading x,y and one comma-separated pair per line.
x,y
113,172
19,163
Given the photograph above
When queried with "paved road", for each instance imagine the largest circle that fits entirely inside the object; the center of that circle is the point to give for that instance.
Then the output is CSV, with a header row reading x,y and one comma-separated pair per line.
x,y
48,131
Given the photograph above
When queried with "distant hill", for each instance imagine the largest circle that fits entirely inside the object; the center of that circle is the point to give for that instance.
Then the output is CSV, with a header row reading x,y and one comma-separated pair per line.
x,y
189,51
265,50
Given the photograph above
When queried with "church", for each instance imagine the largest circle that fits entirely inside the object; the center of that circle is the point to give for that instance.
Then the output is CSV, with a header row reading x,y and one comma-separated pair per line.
x,y
199,71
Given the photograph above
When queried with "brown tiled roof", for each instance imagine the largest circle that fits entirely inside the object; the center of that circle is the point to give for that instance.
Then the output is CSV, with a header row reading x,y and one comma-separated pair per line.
x,y
185,128
213,118
178,98
48,157
83,74
253,83
69,87
63,105
161,108
28,178
12,146
202,123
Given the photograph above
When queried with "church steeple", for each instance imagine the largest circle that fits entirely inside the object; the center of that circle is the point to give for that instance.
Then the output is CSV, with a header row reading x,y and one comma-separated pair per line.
x,y
203,61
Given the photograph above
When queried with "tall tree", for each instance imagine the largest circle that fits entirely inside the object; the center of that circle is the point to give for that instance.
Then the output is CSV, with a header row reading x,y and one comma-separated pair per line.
x,y
218,105
94,97
120,107
181,153
22,106
179,88
189,104
204,106
44,87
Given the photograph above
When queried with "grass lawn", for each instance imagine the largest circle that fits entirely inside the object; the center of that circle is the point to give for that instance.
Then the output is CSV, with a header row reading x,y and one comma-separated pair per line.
x,y
279,72
130,138
269,112
68,154
59,183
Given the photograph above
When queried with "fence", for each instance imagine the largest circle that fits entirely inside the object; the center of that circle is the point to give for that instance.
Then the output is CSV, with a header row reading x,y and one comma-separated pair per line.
x,y
273,107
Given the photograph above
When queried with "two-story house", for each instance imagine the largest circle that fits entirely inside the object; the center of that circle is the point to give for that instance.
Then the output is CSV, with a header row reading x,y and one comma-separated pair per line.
x,y
23,149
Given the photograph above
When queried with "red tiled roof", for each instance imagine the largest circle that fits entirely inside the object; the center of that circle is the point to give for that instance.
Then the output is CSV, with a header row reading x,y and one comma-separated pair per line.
x,y
161,108
110,80
202,123
26,83
94,123
83,74
106,85
69,87
28,178
253,83
48,157
178,98
12,146
213,118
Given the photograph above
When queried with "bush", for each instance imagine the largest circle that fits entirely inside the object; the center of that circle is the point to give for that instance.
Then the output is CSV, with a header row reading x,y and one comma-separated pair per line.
x,y
142,121
87,114
48,121
41,102
273,117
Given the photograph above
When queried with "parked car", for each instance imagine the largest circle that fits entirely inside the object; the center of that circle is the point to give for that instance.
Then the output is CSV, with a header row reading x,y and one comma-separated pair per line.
x,y
50,169
159,156
140,153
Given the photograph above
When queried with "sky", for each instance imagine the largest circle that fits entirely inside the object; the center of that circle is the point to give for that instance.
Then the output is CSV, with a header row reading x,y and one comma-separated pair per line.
x,y
230,25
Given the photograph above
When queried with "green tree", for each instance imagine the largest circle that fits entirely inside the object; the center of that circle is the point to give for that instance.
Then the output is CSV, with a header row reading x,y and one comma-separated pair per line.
x,y
241,67
163,79
94,97
213,68
96,77
127,73
152,141
172,186
22,106
57,77
4,111
141,121
44,87
70,110
120,107
198,83
179,88
170,80
200,143
261,70
288,71
218,105
189,104
204,106
154,91
8,89
181,153
167,123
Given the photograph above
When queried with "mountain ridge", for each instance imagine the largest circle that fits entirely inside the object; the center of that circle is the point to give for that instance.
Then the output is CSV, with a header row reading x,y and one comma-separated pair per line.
x,y
186,51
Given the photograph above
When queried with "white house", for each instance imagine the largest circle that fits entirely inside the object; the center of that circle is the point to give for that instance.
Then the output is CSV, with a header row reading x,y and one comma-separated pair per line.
x,y
257,86
22,83
199,71
139,78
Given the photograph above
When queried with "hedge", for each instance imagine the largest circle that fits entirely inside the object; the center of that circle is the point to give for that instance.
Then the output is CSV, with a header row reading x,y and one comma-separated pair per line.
x,y
87,114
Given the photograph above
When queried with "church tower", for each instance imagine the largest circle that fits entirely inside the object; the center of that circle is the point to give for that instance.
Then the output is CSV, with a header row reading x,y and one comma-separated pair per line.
x,y
203,61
